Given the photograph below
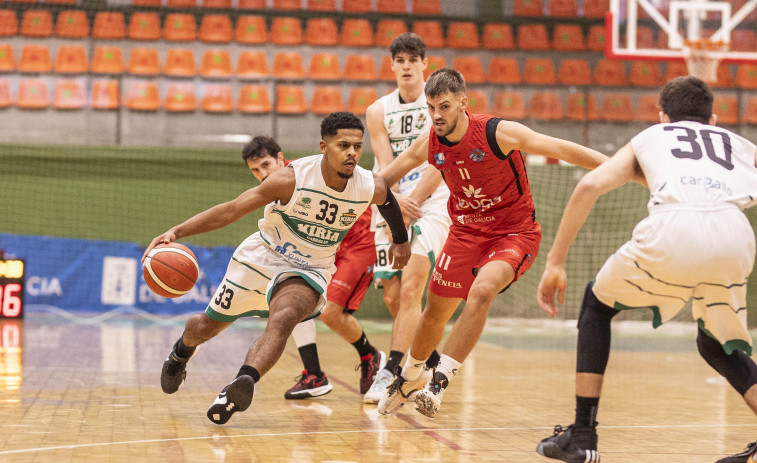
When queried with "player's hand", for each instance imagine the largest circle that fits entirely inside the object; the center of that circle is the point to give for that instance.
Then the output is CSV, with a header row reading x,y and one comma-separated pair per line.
x,y
554,279
167,237
410,208
399,254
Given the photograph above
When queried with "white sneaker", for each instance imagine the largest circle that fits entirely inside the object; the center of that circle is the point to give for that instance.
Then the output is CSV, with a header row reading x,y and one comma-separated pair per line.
x,y
398,392
383,380
428,400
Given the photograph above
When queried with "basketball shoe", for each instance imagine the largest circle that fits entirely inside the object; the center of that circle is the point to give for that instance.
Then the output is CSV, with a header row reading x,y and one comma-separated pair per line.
x,y
574,444
428,400
174,371
400,390
747,456
369,366
383,379
309,386
235,397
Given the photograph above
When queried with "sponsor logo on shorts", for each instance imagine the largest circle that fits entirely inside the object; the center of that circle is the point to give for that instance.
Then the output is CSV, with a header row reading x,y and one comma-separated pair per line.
x,y
341,283
476,218
508,251
477,155
442,282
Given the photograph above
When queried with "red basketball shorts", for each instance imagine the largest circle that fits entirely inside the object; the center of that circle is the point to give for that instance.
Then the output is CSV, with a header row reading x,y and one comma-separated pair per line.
x,y
354,272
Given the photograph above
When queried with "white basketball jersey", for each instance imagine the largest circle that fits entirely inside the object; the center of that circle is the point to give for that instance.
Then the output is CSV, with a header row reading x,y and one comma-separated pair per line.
x,y
308,229
689,162
404,122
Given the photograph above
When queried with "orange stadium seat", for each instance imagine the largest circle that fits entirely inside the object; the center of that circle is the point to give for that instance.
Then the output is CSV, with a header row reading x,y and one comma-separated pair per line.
x,y
5,93
324,66
427,7
574,72
610,73
645,74
471,68
224,4
8,23
286,31
360,98
616,107
72,24
109,25
509,105
180,27
35,58
69,94
581,108
105,94
321,32
563,8
388,29
251,4
391,6
431,31
290,99
251,29
252,65
107,60
180,97
743,40
675,69
71,59
746,75
143,96
254,99
568,37
327,100
180,62
724,77
727,109
596,40
596,8
527,8
215,28
286,4
386,73
288,65
356,6
649,108
7,58
144,26
321,5
143,61
434,63
32,94
216,63
503,71
357,33
181,3
37,23
498,36
462,35
478,101
360,67
146,2
539,71
750,114
533,37
644,37
545,106
216,98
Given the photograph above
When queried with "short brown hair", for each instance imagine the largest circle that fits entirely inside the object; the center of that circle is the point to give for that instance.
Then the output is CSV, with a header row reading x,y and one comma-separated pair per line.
x,y
687,98
408,42
445,80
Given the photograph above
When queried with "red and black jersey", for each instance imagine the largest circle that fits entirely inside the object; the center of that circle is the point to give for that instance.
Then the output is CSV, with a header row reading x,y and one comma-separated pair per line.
x,y
489,190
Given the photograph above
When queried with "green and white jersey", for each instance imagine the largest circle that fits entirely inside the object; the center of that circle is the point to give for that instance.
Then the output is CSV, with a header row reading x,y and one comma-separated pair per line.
x,y
308,229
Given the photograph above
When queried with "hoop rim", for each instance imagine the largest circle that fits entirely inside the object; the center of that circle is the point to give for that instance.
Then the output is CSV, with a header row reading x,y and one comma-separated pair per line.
x,y
705,45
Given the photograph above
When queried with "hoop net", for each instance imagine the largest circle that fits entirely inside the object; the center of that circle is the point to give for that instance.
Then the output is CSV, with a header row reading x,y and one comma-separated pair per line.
x,y
703,57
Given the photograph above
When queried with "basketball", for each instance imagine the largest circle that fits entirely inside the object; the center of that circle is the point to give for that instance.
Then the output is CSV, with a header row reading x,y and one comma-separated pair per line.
x,y
170,270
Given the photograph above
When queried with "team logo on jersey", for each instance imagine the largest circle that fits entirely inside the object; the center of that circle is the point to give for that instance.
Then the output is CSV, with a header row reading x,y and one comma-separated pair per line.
x,y
304,203
439,159
472,192
477,155
421,122
348,218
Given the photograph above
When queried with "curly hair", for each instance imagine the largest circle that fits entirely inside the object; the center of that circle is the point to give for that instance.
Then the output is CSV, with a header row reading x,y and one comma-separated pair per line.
x,y
341,120
410,43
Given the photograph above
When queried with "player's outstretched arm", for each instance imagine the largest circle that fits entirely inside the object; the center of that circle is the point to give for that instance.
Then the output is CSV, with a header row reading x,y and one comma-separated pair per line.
x,y
399,250
610,175
407,160
278,186
515,136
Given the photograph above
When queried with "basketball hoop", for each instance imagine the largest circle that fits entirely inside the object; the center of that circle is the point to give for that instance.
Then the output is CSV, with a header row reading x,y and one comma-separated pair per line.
x,y
703,57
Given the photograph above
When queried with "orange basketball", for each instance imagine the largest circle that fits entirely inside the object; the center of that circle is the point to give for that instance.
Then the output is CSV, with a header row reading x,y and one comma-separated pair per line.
x,y
170,270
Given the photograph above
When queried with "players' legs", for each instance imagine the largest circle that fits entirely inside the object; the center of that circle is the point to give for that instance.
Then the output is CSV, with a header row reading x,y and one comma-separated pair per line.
x,y
391,293
429,331
414,281
313,381
200,328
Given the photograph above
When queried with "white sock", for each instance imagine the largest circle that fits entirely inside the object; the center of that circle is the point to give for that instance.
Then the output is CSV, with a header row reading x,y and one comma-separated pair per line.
x,y
448,366
413,368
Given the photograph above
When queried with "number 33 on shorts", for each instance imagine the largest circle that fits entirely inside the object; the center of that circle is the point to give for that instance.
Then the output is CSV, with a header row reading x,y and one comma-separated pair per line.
x,y
223,297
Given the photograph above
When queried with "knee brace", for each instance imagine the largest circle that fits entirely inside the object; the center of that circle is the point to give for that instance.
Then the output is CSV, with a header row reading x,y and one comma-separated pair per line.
x,y
594,333
738,369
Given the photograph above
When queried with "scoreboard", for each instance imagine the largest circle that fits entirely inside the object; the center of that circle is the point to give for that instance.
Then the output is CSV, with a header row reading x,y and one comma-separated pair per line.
x,y
12,288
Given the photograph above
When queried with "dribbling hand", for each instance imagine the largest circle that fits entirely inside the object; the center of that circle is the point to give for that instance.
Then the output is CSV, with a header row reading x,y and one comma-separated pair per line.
x,y
167,237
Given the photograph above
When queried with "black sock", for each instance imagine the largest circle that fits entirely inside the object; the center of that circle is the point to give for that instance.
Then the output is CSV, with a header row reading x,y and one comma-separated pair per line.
x,y
182,350
394,360
433,359
249,371
586,411
309,356
364,348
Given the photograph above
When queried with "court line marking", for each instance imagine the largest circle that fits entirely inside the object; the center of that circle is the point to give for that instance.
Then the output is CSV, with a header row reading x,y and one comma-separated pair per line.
x,y
340,432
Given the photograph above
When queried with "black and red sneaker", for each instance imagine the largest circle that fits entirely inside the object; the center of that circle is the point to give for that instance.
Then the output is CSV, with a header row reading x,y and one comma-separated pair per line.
x,y
369,366
309,385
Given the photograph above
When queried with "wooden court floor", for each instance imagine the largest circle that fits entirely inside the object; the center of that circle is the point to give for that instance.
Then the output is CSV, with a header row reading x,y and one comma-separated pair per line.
x,y
88,390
